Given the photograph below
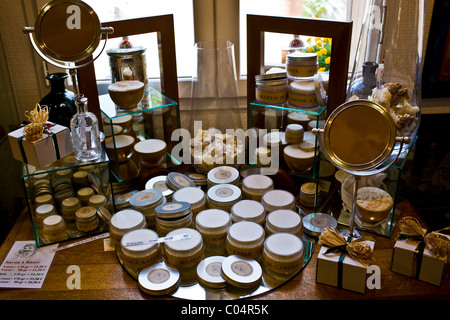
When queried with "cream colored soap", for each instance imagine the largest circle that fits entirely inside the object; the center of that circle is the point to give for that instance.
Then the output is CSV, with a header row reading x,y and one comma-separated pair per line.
x,y
245,239
255,185
249,210
278,199
185,253
284,221
123,222
283,253
139,256
213,225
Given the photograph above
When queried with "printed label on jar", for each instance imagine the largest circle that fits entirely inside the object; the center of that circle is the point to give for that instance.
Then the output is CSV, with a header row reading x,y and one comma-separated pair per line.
x,y
172,206
214,269
224,192
301,71
242,268
222,174
158,276
271,97
302,100
145,197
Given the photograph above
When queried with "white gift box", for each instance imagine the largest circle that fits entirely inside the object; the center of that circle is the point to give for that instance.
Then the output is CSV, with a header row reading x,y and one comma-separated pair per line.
x,y
352,276
407,260
51,147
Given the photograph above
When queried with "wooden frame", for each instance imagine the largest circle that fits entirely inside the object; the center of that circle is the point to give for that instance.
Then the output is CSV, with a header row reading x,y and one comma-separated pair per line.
x,y
340,32
164,27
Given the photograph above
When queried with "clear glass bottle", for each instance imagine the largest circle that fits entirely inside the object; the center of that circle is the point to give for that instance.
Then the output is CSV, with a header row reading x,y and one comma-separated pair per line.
x,y
85,132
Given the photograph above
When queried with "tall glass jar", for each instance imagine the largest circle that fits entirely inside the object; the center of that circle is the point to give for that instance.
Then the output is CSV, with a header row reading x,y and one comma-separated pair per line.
x,y
85,132
388,63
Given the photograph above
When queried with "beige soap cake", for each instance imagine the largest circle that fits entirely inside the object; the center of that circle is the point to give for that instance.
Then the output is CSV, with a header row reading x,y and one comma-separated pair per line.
x,y
373,204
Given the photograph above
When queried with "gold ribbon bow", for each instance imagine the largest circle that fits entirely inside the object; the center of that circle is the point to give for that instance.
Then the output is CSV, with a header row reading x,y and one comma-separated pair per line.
x,y
37,118
437,243
356,249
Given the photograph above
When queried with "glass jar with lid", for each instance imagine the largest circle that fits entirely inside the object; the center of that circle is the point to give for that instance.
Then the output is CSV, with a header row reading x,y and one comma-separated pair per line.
x,y
54,229
123,222
255,185
271,88
249,210
139,256
193,195
184,253
283,253
284,221
87,219
146,201
245,239
301,65
278,199
173,215
213,225
223,196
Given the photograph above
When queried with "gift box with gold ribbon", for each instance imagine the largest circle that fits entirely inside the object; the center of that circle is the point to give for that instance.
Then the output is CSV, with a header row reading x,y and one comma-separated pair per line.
x,y
419,253
40,142
343,262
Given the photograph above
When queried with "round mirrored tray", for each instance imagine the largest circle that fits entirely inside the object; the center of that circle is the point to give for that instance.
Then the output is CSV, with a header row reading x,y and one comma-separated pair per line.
x,y
191,289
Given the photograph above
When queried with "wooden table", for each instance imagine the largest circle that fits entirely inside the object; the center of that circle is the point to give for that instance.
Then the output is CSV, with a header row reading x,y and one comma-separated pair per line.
x,y
103,278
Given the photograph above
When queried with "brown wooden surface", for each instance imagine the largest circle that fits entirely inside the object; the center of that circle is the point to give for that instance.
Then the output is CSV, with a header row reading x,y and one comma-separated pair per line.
x,y
103,278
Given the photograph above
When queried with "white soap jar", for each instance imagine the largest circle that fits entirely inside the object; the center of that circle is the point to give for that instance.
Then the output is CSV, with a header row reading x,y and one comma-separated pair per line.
x,y
146,201
255,185
193,195
184,253
138,249
245,239
283,253
284,220
223,196
123,222
213,225
221,175
249,210
278,199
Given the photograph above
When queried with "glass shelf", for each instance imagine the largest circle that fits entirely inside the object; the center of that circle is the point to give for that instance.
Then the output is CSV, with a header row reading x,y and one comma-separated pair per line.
x,y
156,117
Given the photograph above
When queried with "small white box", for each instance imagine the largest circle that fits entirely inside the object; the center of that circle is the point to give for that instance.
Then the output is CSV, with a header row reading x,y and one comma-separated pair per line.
x,y
45,151
354,273
405,261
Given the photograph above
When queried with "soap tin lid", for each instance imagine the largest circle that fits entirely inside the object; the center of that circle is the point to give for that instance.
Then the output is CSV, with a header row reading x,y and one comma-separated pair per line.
x,y
45,209
189,245
159,183
224,194
284,220
193,195
173,210
278,199
139,235
314,223
146,199
241,272
123,200
159,279
176,180
257,183
200,179
86,213
126,220
53,221
284,246
212,220
223,174
246,233
250,210
209,272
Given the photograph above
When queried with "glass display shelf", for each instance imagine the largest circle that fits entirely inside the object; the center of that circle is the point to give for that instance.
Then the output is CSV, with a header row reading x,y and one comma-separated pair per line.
x,y
68,178
155,117
392,178
191,289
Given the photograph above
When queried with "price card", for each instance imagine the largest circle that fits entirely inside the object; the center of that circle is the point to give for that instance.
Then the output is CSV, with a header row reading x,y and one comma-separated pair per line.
x,y
26,266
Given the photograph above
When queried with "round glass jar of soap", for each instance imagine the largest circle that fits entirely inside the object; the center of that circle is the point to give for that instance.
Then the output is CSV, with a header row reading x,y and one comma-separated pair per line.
x,y
249,210
271,88
173,215
184,253
138,249
54,229
278,199
284,221
124,221
146,201
193,195
223,196
255,185
301,65
213,225
283,253
245,239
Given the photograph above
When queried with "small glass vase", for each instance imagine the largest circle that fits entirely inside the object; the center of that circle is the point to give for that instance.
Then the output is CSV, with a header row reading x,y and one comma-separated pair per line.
x,y
60,101
85,132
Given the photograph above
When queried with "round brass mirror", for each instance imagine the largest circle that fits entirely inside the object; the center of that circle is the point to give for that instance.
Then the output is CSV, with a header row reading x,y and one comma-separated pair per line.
x,y
66,31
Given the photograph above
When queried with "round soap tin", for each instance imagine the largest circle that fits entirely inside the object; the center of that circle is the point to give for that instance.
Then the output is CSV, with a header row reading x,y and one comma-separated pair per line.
x,y
87,219
54,228
283,253
69,206
245,239
200,179
294,133
223,196
43,211
310,194
209,272
160,183
173,215
221,175
241,272
314,223
139,256
97,201
185,253
159,279
124,221
193,195
177,181
122,201
255,185
213,225
249,210
146,201
284,221
278,199
84,194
